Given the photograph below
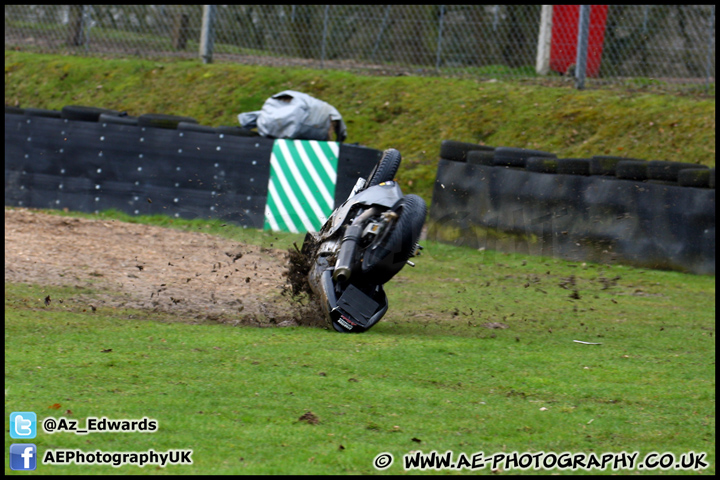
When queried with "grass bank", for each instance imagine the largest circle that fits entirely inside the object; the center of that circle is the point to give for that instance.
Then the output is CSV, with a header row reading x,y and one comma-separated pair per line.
x,y
412,114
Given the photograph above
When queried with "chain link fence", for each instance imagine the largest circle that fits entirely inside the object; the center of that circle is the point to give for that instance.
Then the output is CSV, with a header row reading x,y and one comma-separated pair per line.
x,y
643,44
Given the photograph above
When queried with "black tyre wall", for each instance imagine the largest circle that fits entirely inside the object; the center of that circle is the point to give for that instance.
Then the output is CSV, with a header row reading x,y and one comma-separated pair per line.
x,y
516,157
631,170
124,120
667,171
163,121
605,164
480,157
194,127
90,166
86,114
576,217
694,177
236,130
573,166
541,165
42,112
458,151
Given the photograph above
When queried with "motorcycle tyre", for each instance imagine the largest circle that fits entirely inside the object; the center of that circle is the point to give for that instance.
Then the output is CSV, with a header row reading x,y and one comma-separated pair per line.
x,y
386,168
381,263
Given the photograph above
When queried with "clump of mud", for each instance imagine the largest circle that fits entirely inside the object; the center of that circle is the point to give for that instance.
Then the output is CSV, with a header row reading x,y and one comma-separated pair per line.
x,y
299,263
308,309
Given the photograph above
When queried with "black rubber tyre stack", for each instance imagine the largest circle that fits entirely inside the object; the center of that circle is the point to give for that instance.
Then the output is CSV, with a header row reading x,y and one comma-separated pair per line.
x,y
458,151
159,120
541,165
573,166
516,157
632,170
694,177
480,157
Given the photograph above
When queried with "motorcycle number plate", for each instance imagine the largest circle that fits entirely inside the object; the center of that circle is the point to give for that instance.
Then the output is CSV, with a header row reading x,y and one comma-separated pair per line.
x,y
345,324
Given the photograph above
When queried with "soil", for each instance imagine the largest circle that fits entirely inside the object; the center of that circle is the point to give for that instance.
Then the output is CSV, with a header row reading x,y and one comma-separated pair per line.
x,y
190,275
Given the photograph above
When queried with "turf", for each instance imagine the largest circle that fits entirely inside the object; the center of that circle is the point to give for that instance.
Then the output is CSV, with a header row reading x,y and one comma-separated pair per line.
x,y
477,353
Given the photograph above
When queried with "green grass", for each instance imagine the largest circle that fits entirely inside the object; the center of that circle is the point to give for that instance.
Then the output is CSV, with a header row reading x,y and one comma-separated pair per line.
x,y
412,114
430,371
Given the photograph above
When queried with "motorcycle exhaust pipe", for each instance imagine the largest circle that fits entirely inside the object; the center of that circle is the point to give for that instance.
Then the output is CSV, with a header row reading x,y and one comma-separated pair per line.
x,y
343,266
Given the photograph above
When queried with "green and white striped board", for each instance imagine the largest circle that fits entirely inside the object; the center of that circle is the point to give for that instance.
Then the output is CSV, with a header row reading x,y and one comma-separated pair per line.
x,y
301,190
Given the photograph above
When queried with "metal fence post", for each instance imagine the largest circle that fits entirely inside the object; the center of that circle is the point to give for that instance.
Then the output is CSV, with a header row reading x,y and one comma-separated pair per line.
x,y
206,35
87,19
496,17
382,30
711,30
442,15
324,36
582,46
75,25
542,63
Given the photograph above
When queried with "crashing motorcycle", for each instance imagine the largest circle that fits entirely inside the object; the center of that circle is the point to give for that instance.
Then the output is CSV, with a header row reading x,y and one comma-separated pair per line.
x,y
363,244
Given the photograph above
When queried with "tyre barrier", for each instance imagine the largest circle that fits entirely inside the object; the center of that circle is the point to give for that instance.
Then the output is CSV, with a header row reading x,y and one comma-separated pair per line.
x,y
632,170
165,164
606,164
159,120
122,120
695,177
516,157
458,151
541,165
480,157
88,114
603,209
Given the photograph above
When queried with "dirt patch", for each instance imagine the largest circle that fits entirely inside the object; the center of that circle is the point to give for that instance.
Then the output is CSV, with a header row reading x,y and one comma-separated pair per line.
x,y
310,418
192,275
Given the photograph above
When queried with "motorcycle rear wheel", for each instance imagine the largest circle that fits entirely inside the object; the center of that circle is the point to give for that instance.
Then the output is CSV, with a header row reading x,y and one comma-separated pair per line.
x,y
382,260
